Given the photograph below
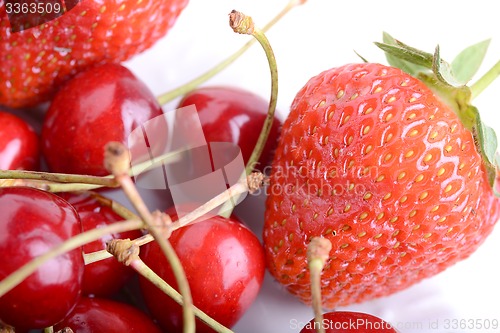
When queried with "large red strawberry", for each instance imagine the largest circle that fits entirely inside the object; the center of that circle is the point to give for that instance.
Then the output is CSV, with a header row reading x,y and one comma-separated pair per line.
x,y
388,170
37,60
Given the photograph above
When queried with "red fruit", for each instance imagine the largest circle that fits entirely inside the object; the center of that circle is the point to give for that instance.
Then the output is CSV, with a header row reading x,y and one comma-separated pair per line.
x,y
372,160
37,60
19,147
101,315
224,264
108,100
234,115
350,322
106,277
31,223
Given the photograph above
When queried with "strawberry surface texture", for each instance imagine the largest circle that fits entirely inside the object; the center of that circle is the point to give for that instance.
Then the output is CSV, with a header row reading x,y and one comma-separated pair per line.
x,y
372,160
37,60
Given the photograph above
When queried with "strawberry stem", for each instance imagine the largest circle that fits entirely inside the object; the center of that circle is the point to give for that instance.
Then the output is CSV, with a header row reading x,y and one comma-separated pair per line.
x,y
481,84
318,252
117,162
75,242
184,89
140,267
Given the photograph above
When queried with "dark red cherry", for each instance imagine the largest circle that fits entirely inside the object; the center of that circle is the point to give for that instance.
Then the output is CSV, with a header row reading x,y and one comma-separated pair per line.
x,y
94,315
19,144
106,277
31,223
224,264
234,115
350,322
103,104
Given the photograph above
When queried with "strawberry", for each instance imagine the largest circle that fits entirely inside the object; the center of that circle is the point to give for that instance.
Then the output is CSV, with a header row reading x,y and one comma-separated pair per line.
x,y
37,60
394,172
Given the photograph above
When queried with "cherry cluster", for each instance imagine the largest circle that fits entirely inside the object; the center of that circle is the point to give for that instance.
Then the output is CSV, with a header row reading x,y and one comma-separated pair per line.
x,y
104,104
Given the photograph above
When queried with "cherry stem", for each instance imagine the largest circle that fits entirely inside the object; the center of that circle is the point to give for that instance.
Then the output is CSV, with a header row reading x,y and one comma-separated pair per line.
x,y
184,89
118,208
483,82
22,273
252,183
244,24
318,252
57,182
48,329
65,330
48,186
140,267
58,177
117,162
233,192
4,328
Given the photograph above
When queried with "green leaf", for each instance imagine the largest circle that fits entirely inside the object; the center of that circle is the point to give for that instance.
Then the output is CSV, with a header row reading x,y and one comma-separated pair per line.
x,y
443,70
404,57
361,57
404,54
490,142
394,61
467,62
486,142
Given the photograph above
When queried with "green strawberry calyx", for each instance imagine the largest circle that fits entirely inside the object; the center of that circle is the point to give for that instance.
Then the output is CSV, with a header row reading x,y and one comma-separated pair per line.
x,y
449,82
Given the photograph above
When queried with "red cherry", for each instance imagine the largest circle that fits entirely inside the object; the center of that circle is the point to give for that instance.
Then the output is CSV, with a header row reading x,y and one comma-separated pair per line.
x,y
19,147
93,315
106,277
100,105
31,223
224,264
234,115
350,322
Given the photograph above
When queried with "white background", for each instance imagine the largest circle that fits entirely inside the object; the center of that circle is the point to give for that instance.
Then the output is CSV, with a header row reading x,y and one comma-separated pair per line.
x,y
312,38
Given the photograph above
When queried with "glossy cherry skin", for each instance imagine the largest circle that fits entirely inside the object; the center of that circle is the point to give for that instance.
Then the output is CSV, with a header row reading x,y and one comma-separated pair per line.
x,y
350,322
106,277
103,104
224,264
234,115
93,315
19,144
31,223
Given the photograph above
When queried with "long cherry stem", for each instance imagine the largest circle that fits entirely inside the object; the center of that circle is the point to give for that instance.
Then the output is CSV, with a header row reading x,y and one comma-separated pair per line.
x,y
57,177
236,190
273,100
117,162
139,266
317,254
244,24
184,89
118,208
